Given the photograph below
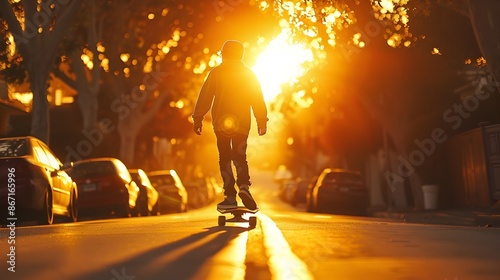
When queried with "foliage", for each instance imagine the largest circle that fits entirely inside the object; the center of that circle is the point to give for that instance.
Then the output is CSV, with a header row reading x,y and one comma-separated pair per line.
x,y
11,68
329,23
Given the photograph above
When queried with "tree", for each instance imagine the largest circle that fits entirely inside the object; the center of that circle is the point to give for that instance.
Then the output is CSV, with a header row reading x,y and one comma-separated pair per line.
x,y
84,43
149,65
143,64
130,59
119,44
367,45
37,28
484,22
345,28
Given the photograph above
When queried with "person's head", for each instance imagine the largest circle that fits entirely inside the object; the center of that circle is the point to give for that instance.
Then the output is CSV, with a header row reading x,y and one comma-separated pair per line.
x,y
232,50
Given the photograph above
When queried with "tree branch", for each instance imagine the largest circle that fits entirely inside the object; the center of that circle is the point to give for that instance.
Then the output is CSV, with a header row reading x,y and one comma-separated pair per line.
x,y
14,27
459,6
146,117
63,19
65,78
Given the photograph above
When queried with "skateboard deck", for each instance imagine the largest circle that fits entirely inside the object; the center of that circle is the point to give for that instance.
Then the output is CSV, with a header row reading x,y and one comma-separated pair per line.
x,y
238,213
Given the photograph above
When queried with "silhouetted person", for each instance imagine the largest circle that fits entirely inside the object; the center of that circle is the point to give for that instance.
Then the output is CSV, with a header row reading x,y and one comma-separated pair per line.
x,y
232,91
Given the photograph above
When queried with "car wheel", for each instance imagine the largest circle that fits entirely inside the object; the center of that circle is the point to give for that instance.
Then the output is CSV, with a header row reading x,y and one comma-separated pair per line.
x,y
46,216
293,200
134,212
182,208
310,205
144,211
156,209
321,206
123,211
73,208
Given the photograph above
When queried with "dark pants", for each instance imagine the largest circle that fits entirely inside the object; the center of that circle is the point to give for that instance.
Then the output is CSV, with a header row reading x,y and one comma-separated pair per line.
x,y
233,148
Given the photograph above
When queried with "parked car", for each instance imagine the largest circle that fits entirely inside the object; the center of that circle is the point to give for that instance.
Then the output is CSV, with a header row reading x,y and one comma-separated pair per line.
x,y
35,184
214,187
148,201
196,198
339,190
299,192
173,194
105,186
285,189
310,188
201,191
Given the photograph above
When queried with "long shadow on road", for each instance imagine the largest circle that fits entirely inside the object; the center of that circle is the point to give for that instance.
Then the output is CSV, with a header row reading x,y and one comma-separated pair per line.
x,y
177,260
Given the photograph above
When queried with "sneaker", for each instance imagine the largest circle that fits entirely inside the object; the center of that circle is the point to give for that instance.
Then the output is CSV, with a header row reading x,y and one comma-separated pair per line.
x,y
247,198
228,203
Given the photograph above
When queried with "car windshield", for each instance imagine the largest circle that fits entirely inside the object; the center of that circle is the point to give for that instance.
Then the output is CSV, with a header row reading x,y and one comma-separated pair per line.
x,y
135,176
161,180
13,148
92,169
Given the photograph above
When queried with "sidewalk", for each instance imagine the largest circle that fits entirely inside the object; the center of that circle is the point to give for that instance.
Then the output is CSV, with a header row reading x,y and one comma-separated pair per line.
x,y
456,217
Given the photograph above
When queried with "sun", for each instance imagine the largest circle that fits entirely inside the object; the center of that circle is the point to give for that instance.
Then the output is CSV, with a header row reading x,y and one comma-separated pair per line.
x,y
280,63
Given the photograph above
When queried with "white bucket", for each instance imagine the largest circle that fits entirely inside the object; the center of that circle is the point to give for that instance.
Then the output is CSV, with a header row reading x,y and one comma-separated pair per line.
x,y
430,196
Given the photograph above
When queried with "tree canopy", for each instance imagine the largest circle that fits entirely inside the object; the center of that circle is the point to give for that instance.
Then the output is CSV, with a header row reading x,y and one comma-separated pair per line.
x,y
150,55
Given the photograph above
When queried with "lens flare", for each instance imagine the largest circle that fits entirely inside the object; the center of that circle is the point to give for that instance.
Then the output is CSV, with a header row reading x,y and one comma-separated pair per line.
x,y
280,63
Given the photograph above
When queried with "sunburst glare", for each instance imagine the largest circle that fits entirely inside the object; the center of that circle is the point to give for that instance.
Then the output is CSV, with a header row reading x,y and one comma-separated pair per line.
x,y
280,63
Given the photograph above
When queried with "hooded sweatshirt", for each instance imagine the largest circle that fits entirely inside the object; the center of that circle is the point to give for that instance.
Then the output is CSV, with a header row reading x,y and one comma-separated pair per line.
x,y
232,91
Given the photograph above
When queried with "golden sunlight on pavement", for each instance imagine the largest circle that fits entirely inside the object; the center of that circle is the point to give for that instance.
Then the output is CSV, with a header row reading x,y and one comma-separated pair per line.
x,y
283,263
229,262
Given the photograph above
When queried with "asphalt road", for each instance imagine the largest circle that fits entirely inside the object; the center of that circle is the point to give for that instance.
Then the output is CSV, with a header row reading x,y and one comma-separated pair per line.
x,y
287,243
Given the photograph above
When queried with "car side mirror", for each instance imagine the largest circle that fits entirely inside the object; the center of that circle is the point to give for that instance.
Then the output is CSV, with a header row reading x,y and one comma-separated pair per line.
x,y
66,166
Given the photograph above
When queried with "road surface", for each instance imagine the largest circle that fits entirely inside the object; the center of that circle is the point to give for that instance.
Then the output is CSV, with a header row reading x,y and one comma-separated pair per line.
x,y
287,243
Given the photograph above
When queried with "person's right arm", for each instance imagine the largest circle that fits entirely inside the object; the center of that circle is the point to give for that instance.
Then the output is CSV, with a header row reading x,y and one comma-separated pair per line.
x,y
204,103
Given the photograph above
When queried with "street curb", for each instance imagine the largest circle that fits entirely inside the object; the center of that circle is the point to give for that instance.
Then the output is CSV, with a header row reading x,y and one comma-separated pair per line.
x,y
450,217
488,220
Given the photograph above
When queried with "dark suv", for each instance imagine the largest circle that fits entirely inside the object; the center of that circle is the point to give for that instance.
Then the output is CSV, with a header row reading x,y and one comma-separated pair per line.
x,y
339,191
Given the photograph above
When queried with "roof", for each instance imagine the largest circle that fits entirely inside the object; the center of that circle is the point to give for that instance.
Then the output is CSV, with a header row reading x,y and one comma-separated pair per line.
x,y
12,108
160,172
96,160
341,170
21,137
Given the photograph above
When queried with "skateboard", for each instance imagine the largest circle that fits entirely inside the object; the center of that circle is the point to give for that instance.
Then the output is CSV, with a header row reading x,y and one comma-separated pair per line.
x,y
238,216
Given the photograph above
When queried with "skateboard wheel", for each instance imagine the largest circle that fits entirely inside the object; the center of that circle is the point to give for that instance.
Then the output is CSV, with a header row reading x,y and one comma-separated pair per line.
x,y
222,221
252,221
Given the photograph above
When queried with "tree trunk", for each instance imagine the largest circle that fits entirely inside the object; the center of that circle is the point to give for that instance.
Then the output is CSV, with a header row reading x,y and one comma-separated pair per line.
x,y
87,90
128,135
38,49
88,103
130,126
132,115
40,112
483,15
91,87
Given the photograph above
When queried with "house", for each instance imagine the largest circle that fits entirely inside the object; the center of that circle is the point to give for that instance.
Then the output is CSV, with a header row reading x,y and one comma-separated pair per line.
x,y
8,108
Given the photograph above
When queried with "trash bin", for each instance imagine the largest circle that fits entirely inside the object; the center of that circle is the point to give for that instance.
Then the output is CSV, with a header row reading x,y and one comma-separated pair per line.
x,y
430,196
